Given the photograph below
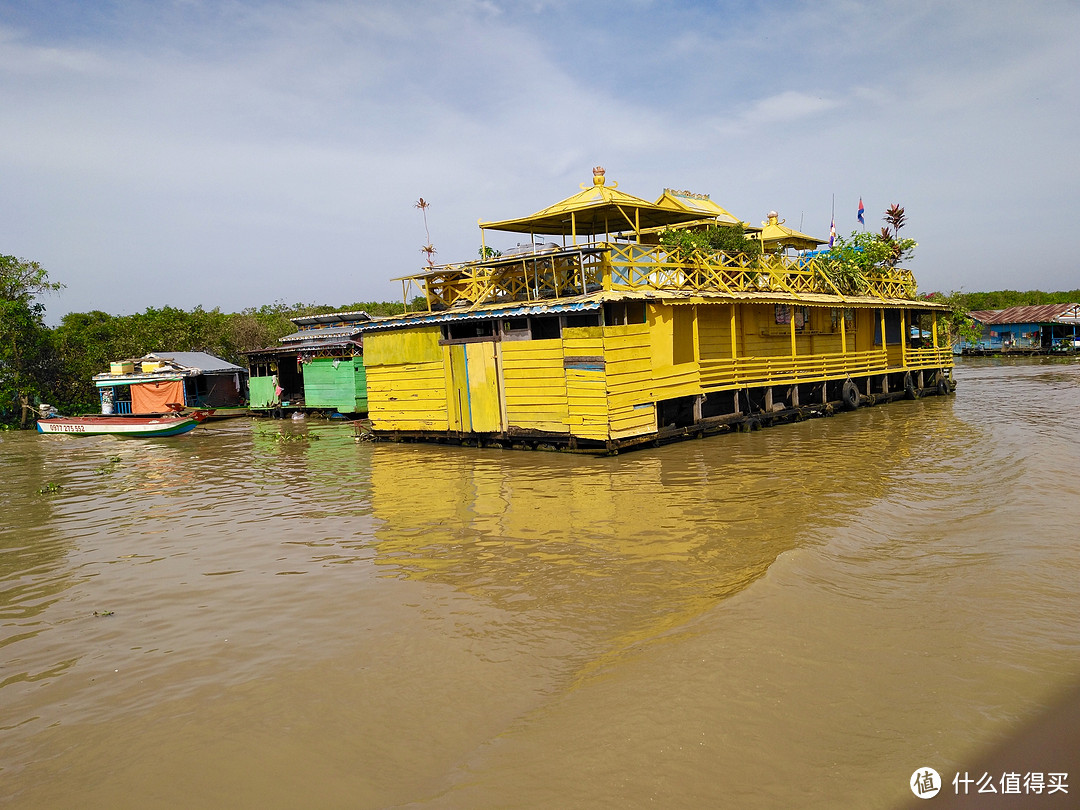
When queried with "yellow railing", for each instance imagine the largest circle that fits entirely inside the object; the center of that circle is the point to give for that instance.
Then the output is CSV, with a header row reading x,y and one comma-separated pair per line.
x,y
928,357
657,267
720,374
626,267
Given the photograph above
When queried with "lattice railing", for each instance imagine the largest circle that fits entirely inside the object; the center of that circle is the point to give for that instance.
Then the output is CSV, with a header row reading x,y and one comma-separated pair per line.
x,y
626,267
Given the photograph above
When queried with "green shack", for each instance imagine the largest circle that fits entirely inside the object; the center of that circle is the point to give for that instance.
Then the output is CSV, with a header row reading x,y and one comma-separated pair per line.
x,y
317,369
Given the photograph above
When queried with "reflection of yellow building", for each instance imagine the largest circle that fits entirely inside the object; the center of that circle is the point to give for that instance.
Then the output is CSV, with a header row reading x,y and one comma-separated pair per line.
x,y
636,549
531,537
603,343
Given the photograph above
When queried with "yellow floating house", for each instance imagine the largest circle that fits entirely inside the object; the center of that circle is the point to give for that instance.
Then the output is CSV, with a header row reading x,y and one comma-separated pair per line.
x,y
600,341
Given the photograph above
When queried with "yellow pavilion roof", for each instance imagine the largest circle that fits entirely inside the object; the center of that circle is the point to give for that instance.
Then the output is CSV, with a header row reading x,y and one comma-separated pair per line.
x,y
704,207
596,209
775,233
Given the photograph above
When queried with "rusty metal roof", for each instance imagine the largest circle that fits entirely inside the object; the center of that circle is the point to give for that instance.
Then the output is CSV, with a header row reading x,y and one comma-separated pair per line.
x,y
1039,313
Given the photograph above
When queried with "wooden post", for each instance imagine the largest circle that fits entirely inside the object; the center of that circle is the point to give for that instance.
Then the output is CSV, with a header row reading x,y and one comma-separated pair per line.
x,y
24,400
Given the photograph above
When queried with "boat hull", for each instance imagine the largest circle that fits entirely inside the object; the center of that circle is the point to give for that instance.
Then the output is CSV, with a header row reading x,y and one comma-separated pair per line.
x,y
136,426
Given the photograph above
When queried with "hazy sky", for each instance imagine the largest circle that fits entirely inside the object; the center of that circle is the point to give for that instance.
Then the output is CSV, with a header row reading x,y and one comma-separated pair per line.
x,y
237,153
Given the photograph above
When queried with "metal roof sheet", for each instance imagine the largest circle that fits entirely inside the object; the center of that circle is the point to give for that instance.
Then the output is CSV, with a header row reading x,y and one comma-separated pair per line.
x,y
199,361
596,300
176,366
1038,313
302,346
332,317
322,334
516,309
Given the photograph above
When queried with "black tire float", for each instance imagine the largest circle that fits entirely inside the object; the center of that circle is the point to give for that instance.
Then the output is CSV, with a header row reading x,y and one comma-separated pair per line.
x,y
850,395
909,386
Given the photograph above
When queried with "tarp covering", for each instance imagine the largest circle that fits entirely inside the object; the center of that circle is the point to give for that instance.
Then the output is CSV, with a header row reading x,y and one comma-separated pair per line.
x,y
155,397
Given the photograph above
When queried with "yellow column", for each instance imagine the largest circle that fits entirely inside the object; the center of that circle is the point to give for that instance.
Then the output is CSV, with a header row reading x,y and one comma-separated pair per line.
x,y
734,339
791,328
883,346
904,338
734,347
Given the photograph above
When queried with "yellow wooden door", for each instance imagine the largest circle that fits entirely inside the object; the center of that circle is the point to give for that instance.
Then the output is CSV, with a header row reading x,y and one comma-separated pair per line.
x,y
473,396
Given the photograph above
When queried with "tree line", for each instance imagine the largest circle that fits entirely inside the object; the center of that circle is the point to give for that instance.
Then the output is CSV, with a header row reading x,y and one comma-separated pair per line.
x,y
56,365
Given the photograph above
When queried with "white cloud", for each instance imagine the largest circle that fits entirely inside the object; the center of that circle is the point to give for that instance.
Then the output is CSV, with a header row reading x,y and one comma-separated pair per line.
x,y
269,151
787,107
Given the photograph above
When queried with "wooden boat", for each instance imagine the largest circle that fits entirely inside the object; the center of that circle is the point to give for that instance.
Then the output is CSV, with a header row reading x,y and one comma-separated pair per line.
x,y
168,424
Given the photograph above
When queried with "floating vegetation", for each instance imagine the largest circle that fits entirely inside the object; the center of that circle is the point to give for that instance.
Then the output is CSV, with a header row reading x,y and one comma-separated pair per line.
x,y
49,488
108,467
293,438
103,613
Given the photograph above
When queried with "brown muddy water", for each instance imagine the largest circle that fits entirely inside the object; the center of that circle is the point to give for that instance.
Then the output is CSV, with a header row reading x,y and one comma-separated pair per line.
x,y
267,614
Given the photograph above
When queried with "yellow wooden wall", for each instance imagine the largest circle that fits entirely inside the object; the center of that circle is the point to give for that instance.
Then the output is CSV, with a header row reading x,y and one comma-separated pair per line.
x,y
406,380
628,365
865,322
714,331
673,338
586,388
534,385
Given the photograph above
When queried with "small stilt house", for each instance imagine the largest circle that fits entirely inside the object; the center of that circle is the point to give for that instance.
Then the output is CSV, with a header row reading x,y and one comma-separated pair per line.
x,y
164,381
318,368
594,340
1035,329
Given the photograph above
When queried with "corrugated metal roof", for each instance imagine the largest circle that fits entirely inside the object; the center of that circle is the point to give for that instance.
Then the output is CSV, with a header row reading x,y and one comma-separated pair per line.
x,y
332,317
595,300
1039,313
322,334
177,365
489,311
200,361
294,348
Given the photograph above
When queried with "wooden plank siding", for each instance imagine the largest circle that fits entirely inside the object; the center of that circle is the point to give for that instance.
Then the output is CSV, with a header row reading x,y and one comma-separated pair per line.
x,y
584,366
338,383
407,396
406,380
535,386
628,363
605,383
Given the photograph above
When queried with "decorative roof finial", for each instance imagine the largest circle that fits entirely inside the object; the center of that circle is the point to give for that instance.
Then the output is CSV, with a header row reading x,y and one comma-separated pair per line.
x,y
598,176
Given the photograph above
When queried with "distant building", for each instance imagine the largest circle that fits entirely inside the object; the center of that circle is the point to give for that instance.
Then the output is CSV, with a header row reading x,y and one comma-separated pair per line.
x,y
1039,329
319,367
164,381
